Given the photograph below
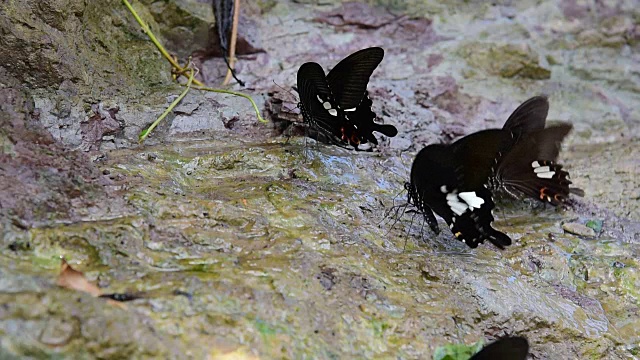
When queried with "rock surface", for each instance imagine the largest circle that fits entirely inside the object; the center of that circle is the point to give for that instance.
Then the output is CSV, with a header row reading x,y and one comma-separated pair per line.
x,y
245,246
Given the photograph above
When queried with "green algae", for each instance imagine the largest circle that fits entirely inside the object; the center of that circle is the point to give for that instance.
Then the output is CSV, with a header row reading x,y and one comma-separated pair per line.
x,y
456,351
506,61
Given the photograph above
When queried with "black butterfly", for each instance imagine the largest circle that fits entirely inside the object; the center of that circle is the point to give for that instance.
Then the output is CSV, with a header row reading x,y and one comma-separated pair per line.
x,y
508,348
338,104
451,180
529,167
454,181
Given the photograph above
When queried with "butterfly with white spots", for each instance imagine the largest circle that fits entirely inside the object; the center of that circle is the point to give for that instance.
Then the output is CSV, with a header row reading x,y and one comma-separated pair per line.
x,y
450,180
338,104
528,167
456,181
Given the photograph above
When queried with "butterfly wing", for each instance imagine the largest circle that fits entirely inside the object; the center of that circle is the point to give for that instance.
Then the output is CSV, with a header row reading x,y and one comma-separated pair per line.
x,y
349,78
348,82
317,101
509,348
530,166
530,116
479,153
363,120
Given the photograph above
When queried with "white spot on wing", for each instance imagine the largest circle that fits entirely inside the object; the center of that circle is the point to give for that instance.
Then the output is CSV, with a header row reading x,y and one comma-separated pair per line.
x,y
455,204
333,112
546,175
319,98
352,109
327,105
458,208
443,188
543,172
472,199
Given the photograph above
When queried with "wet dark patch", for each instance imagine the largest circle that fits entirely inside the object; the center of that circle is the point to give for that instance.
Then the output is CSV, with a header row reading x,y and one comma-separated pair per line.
x,y
327,277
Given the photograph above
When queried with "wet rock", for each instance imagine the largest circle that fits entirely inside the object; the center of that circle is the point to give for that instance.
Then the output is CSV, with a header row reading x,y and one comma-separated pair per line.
x,y
399,143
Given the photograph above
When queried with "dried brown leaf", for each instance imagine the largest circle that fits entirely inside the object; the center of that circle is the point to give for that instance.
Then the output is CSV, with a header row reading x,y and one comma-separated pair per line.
x,y
73,279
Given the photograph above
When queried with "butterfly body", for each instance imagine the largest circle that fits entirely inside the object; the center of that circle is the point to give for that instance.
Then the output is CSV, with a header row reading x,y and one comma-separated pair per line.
x,y
338,104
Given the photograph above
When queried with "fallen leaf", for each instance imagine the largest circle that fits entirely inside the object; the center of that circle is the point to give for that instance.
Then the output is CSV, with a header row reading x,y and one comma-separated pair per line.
x,y
73,279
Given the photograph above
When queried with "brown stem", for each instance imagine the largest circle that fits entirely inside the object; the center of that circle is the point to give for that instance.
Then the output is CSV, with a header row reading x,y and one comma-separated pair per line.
x,y
234,37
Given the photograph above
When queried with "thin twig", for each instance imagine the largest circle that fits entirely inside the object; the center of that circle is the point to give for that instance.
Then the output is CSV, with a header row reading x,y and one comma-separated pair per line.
x,y
145,133
232,45
255,107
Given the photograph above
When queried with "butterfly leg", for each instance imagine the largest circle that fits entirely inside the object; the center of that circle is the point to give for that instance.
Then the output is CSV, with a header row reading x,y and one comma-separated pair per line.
x,y
431,220
422,231
406,237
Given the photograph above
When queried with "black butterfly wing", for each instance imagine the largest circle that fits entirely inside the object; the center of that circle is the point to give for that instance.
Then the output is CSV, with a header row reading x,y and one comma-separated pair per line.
x,y
349,78
479,153
431,169
509,348
348,82
530,116
438,176
530,166
363,120
314,92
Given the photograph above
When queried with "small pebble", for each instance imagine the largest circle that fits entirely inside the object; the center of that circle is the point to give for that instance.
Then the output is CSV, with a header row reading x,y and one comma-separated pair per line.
x,y
578,229
617,264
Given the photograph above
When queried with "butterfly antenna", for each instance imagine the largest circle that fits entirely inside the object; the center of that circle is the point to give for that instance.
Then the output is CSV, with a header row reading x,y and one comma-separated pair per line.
x,y
387,212
285,90
395,209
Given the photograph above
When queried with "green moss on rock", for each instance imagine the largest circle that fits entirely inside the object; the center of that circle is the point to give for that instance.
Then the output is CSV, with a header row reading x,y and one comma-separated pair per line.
x,y
505,60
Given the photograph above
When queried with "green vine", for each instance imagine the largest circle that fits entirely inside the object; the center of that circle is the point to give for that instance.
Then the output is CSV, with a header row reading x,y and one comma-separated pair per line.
x,y
143,135
188,71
